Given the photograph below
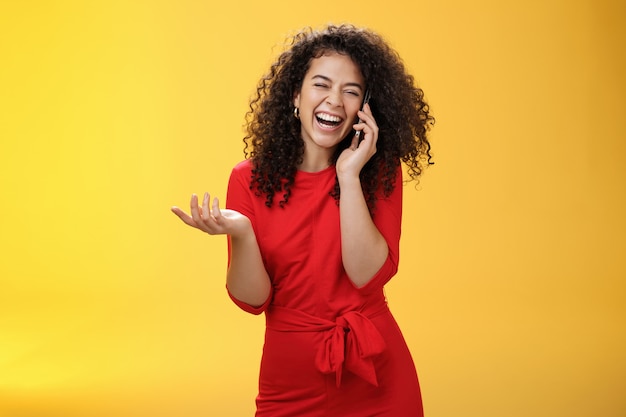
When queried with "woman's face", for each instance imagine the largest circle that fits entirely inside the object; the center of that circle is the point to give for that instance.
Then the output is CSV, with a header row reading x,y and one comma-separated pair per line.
x,y
330,97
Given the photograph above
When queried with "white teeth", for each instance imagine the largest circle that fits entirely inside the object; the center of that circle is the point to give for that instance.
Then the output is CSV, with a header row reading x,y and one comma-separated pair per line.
x,y
329,117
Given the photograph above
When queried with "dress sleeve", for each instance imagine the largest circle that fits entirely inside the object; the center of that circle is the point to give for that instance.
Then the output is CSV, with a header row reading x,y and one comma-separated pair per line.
x,y
239,197
388,220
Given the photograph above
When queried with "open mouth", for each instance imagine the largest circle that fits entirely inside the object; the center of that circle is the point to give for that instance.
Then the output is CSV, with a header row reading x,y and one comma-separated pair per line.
x,y
328,121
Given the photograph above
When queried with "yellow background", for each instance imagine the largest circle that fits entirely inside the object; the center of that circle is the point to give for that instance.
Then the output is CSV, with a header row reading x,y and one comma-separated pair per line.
x,y
511,290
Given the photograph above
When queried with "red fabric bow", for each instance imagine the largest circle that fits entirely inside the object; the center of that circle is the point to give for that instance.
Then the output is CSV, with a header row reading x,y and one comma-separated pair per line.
x,y
351,341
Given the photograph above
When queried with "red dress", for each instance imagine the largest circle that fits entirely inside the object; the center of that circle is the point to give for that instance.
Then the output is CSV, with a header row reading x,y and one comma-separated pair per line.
x,y
331,349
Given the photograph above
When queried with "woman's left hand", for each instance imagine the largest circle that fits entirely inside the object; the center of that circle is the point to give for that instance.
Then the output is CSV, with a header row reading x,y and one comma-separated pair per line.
x,y
363,145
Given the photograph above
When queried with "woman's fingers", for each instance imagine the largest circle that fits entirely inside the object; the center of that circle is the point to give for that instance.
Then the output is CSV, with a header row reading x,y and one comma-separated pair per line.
x,y
206,213
184,216
202,216
366,126
208,217
355,141
216,213
195,211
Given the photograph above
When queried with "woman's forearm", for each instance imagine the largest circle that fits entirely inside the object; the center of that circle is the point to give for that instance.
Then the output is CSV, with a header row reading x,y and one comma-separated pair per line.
x,y
363,248
247,279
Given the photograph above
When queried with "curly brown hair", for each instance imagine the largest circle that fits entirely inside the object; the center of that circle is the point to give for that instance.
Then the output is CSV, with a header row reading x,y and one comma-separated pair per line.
x,y
273,141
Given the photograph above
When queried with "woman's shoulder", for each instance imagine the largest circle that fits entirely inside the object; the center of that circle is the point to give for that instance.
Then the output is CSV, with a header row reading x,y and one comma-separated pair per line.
x,y
246,164
243,168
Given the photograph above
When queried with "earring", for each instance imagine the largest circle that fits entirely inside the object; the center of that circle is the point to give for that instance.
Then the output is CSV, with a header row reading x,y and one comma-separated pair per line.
x,y
296,113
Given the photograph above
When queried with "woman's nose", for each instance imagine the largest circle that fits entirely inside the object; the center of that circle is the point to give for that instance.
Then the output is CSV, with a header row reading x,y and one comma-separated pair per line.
x,y
334,98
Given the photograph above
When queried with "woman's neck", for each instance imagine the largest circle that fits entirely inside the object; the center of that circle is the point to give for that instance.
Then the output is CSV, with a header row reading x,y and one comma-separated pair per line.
x,y
314,164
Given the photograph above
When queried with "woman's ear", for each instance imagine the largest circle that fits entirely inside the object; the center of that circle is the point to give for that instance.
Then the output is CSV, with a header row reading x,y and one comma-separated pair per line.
x,y
296,99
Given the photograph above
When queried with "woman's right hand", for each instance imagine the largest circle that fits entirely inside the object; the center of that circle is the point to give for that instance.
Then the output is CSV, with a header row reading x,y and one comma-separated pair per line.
x,y
212,220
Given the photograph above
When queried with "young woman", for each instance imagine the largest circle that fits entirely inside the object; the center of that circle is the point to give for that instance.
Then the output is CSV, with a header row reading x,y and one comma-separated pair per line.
x,y
313,220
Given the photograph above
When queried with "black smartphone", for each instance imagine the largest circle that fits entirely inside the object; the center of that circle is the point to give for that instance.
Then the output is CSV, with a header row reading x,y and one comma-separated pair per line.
x,y
366,100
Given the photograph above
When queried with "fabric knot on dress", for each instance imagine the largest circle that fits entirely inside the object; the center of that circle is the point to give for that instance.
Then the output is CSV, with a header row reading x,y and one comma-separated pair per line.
x,y
353,343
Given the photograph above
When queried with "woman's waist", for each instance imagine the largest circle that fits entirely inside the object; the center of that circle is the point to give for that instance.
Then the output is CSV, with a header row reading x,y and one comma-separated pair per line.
x,y
287,318
349,338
